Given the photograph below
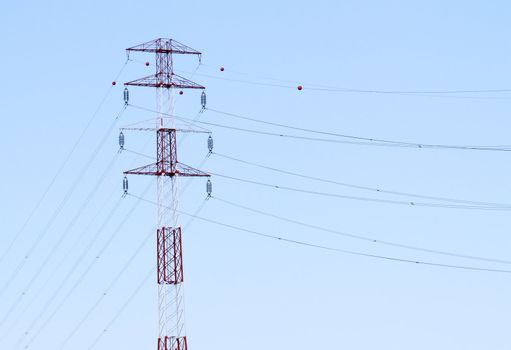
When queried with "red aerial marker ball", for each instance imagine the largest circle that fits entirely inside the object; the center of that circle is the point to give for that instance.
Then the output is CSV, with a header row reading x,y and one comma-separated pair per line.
x,y
180,92
147,63
300,87
222,69
113,83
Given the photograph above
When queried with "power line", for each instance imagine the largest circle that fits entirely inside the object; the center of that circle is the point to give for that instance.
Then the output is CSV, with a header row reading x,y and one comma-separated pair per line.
x,y
367,188
70,272
432,93
66,198
470,204
282,83
138,153
369,90
108,218
51,252
366,199
70,251
82,276
123,307
361,138
338,250
108,289
317,139
60,169
363,238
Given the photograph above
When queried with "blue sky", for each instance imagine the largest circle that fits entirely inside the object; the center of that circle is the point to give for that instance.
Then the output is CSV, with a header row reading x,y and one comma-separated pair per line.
x,y
243,291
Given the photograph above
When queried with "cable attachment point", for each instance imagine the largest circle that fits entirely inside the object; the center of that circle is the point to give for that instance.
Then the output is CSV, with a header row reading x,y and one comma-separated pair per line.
x,y
209,188
210,145
203,101
126,96
125,186
121,142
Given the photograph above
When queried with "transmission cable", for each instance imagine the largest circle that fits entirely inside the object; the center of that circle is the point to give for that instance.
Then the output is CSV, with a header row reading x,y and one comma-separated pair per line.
x,y
367,199
86,271
77,262
359,237
36,297
469,204
123,307
338,250
373,189
60,169
61,205
431,93
69,274
370,90
360,138
66,231
116,279
317,139
473,205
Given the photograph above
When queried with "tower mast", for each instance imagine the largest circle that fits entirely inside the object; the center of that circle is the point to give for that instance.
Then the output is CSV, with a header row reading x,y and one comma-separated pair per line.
x,y
167,169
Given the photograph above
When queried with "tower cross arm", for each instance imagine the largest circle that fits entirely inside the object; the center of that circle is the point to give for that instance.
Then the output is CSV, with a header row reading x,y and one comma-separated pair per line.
x,y
164,45
180,170
185,170
165,81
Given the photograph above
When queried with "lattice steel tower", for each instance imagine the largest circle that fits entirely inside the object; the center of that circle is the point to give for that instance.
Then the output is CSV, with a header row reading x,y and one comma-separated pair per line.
x,y
167,169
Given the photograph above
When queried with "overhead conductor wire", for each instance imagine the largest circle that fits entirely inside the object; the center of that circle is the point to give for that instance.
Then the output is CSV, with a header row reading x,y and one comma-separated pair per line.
x,y
366,199
83,275
69,274
449,94
360,187
60,169
464,91
359,138
36,297
108,217
388,143
56,246
61,205
360,237
339,250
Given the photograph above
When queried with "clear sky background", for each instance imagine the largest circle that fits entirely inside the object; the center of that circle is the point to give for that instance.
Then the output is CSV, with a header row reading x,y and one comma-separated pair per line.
x,y
242,291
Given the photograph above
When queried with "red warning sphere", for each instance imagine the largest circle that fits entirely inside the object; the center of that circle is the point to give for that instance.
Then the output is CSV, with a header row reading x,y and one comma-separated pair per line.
x,y
222,69
113,82
147,63
181,92
300,87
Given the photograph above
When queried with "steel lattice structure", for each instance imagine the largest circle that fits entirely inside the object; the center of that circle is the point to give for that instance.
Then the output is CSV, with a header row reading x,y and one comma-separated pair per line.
x,y
167,169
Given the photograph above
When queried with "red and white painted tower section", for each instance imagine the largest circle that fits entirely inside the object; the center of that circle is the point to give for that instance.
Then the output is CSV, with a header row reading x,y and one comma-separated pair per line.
x,y
167,169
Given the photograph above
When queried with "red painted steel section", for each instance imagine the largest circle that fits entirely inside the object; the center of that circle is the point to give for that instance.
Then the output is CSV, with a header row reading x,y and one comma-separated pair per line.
x,y
178,344
164,76
166,158
169,256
